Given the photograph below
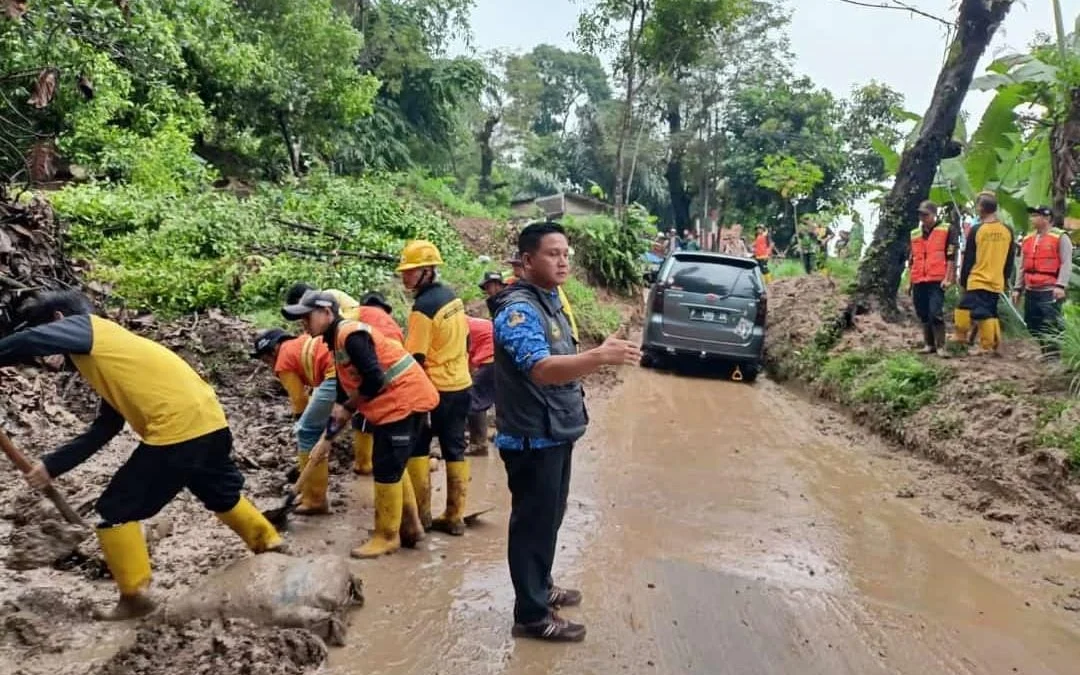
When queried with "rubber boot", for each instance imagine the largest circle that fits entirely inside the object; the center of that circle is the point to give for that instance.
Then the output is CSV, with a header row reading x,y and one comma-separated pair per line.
x,y
313,500
768,277
124,548
363,444
989,335
939,337
452,521
929,346
478,436
256,531
412,530
419,469
961,325
388,503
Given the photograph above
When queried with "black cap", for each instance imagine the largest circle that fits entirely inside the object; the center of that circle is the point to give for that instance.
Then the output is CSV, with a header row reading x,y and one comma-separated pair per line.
x,y
311,301
513,259
928,207
1041,210
490,277
267,340
376,299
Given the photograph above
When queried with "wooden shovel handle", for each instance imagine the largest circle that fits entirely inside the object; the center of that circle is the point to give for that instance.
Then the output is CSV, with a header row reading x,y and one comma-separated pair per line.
x,y
23,464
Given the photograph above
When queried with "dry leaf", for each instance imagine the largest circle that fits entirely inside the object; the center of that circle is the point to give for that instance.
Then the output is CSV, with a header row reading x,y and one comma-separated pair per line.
x,y
45,88
14,9
42,162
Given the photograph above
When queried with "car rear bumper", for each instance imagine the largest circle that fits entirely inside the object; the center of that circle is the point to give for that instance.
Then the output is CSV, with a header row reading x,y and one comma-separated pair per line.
x,y
656,341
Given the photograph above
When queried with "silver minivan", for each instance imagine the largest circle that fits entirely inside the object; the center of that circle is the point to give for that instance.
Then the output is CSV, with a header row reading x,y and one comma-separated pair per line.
x,y
706,306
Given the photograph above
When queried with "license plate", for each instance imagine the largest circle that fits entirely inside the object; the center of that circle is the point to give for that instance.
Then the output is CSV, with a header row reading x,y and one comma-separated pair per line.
x,y
708,315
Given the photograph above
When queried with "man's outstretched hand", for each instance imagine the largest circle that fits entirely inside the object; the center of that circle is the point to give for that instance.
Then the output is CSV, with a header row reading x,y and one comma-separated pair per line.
x,y
618,352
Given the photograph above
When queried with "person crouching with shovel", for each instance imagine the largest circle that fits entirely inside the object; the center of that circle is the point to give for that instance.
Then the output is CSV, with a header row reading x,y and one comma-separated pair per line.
x,y
186,442
378,379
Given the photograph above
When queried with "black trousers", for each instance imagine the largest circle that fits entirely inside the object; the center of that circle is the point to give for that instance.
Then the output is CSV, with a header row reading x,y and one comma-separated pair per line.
x,y
1042,314
448,421
808,262
982,304
929,299
539,483
483,388
155,474
391,445
763,265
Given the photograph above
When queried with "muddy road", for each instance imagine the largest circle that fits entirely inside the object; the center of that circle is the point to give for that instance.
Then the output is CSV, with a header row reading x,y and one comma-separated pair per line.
x,y
715,528
721,528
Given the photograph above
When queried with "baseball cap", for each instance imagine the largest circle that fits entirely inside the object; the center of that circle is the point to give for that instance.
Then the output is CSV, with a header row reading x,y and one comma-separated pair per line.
x,y
376,299
1041,210
311,301
490,277
513,259
928,207
267,340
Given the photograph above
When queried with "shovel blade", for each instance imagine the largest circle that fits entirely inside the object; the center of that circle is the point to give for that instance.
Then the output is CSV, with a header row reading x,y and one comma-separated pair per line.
x,y
475,515
279,517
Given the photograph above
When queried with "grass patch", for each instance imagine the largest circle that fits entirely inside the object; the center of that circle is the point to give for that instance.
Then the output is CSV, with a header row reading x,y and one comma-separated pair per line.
x,y
786,268
595,319
944,426
1005,388
898,383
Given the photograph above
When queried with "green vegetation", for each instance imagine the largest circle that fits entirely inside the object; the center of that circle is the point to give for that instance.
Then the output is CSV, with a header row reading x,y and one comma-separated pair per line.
x,y
898,384
608,251
595,319
1056,428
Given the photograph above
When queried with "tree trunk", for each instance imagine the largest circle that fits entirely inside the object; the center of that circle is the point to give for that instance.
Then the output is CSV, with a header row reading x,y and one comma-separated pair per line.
x,y
487,154
291,147
680,198
1065,157
637,24
880,272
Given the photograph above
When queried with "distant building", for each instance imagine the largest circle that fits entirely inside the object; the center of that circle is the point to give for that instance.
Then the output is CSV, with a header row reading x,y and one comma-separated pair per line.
x,y
558,205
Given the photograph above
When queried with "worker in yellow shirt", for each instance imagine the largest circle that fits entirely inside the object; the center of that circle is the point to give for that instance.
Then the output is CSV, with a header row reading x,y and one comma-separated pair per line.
x,y
516,265
350,309
186,442
987,263
437,336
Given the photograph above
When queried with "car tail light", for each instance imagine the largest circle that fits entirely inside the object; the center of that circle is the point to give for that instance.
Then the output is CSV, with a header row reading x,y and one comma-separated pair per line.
x,y
658,298
762,310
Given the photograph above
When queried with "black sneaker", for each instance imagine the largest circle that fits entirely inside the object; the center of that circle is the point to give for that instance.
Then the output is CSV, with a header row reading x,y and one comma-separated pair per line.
x,y
563,597
553,629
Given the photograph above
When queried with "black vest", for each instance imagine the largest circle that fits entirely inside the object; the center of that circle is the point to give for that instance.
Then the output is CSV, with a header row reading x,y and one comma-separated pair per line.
x,y
522,407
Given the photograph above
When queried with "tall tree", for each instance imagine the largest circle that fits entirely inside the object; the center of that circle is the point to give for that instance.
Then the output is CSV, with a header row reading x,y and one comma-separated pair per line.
x,y
881,270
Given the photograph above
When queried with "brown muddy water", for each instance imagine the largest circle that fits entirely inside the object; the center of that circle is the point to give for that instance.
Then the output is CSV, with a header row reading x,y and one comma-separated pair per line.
x,y
717,528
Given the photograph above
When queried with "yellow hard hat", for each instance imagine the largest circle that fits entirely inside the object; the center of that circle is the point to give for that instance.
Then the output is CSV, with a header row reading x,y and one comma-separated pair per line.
x,y
419,253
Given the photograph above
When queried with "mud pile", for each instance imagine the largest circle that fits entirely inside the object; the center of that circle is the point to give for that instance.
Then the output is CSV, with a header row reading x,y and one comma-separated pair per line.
x,y
210,648
991,426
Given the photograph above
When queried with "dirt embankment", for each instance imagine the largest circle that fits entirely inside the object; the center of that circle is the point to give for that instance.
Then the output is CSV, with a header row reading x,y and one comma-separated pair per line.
x,y
996,426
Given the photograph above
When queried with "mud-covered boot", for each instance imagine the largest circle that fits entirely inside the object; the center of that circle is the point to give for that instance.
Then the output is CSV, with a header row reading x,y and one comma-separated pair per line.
x,y
363,447
385,539
313,501
452,521
929,347
412,530
939,338
128,559
478,434
419,469
253,527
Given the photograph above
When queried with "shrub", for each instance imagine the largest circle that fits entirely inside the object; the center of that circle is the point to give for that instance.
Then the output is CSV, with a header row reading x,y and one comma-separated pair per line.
x,y
611,252
902,383
595,320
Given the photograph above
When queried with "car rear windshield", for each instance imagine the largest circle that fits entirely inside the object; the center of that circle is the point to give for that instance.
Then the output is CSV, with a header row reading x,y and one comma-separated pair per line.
x,y
704,276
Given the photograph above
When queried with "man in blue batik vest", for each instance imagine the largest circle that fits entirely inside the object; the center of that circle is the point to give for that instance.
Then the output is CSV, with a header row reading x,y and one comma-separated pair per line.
x,y
539,415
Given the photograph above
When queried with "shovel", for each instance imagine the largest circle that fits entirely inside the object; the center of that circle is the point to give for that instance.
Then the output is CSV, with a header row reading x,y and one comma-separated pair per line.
x,y
23,464
279,517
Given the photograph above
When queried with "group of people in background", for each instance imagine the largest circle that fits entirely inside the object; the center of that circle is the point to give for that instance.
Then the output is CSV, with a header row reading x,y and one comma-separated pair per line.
x,y
985,260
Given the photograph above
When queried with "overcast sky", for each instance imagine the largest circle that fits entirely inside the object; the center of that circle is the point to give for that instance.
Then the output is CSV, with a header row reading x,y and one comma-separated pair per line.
x,y
838,45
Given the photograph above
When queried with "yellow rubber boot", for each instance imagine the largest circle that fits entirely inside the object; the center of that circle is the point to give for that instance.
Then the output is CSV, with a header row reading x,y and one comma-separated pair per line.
x,y
989,334
388,503
452,521
256,531
961,325
419,469
313,500
768,277
363,445
124,548
412,530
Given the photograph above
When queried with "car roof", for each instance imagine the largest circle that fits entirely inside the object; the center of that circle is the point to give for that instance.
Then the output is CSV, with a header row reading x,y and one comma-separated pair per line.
x,y
715,258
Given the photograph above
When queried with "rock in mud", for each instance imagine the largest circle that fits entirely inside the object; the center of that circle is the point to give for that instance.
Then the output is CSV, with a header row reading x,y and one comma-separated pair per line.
x,y
210,647
40,537
314,593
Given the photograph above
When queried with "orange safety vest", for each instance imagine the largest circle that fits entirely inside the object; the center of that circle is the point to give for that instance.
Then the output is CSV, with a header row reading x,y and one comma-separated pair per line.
x,y
382,322
761,246
308,357
929,255
1042,261
406,390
